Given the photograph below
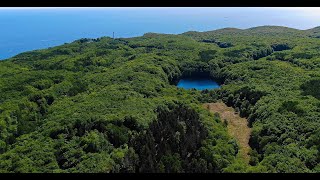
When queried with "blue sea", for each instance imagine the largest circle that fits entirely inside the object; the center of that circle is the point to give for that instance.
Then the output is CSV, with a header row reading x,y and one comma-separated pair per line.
x,y
25,29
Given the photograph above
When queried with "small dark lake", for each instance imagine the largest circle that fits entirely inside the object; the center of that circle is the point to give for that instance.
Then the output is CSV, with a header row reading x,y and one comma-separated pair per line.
x,y
198,83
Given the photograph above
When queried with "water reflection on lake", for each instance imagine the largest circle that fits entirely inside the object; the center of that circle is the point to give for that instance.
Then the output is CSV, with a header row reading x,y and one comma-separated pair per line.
x,y
198,83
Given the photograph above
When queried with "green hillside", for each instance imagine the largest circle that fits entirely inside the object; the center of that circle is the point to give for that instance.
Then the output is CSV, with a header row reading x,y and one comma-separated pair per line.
x,y
111,105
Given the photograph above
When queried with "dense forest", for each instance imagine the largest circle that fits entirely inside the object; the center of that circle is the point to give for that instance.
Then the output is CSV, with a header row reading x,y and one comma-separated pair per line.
x,y
112,105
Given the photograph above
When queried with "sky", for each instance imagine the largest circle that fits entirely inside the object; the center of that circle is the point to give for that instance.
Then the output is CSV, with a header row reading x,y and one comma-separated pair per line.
x,y
23,29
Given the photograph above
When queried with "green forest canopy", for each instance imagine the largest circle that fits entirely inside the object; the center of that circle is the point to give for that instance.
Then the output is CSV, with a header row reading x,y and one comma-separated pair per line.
x,y
111,105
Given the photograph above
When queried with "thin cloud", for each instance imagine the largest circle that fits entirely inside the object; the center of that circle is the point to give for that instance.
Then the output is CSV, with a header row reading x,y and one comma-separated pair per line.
x,y
307,11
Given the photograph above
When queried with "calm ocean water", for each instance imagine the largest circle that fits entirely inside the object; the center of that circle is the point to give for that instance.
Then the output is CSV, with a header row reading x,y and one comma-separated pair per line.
x,y
28,29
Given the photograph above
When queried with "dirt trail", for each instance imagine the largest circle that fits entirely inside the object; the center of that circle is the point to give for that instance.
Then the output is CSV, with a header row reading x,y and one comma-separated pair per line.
x,y
237,126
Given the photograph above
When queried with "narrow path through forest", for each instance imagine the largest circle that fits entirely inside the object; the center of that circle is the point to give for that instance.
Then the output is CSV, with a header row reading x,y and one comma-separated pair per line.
x,y
237,126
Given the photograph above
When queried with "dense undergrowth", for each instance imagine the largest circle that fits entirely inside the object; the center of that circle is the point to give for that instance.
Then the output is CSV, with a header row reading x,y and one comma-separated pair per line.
x,y
111,105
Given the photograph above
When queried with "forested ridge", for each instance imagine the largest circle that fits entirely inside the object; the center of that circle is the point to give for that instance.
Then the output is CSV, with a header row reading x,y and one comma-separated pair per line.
x,y
111,105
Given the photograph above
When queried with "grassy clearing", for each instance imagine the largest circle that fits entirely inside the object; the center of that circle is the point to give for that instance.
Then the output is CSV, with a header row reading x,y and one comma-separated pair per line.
x,y
237,126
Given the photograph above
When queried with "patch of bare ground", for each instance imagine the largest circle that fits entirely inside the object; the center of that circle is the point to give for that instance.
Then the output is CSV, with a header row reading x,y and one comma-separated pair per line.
x,y
237,126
